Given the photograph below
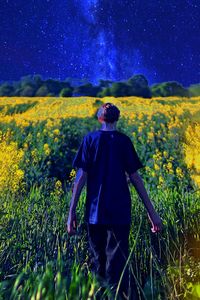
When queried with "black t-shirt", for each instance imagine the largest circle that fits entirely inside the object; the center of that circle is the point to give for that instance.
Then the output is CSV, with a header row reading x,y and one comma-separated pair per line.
x,y
106,156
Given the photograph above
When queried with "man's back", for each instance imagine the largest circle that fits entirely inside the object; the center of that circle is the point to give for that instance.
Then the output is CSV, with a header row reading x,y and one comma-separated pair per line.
x,y
106,156
103,159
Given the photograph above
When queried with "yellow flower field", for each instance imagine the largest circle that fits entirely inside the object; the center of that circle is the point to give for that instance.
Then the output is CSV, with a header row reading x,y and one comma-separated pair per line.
x,y
52,110
38,141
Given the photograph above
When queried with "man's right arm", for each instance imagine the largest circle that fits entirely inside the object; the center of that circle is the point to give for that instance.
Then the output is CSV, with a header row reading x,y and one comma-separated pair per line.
x,y
137,181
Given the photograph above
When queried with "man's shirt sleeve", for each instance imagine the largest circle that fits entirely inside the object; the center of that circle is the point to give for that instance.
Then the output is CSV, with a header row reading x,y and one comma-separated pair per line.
x,y
132,161
81,159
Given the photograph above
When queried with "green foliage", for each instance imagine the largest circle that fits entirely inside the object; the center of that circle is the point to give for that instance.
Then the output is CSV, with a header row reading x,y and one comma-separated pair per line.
x,y
137,85
66,92
119,89
30,86
171,88
98,103
134,86
87,90
28,91
6,89
42,91
105,92
17,108
194,90
105,83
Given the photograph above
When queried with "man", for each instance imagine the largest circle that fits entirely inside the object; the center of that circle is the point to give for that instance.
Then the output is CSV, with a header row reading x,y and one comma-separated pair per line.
x,y
103,159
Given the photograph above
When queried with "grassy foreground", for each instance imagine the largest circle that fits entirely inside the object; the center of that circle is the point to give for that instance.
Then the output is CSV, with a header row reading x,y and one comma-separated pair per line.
x,y
38,140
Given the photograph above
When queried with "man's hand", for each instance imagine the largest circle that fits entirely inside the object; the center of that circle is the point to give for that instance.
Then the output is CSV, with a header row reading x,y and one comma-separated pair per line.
x,y
71,223
140,188
79,182
155,221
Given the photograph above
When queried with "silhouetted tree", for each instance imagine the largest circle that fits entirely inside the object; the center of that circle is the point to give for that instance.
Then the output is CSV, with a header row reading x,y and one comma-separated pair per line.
x,y
170,88
37,80
42,91
27,91
138,86
26,80
6,89
119,89
105,83
87,90
66,92
105,92
194,90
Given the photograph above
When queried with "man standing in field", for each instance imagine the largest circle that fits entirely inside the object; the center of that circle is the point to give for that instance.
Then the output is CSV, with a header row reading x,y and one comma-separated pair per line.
x,y
103,159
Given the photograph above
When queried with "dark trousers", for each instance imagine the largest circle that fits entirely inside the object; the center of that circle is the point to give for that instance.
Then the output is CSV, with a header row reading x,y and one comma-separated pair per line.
x,y
110,247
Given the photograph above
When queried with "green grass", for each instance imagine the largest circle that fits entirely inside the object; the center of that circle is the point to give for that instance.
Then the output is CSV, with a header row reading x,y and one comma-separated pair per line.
x,y
40,261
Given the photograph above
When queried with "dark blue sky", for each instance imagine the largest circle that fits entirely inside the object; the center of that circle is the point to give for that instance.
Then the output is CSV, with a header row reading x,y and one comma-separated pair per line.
x,y
101,39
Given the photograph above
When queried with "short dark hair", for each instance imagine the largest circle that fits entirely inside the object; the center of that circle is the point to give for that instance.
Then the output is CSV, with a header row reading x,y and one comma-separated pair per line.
x,y
108,112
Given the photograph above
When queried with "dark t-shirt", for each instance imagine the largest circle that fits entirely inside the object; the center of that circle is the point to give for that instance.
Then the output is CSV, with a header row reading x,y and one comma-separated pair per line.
x,y
106,156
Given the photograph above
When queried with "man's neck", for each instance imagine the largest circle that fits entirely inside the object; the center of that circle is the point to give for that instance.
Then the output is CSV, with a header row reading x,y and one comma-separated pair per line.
x,y
108,126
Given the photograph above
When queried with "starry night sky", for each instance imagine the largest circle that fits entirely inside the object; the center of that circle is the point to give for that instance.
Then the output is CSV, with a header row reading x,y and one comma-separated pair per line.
x,y
101,39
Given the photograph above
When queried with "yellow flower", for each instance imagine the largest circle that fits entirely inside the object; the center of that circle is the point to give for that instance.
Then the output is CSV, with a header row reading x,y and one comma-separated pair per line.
x,y
169,165
34,154
11,176
179,172
25,146
47,151
140,129
154,156
56,131
196,179
160,180
58,184
19,173
150,135
156,167
165,153
46,148
134,134
72,175
58,188
147,168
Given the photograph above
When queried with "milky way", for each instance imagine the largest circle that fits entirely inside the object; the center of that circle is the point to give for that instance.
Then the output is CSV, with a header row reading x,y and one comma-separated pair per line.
x,y
101,39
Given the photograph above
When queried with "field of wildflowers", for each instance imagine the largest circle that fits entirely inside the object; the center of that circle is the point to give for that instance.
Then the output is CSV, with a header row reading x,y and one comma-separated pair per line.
x,y
38,140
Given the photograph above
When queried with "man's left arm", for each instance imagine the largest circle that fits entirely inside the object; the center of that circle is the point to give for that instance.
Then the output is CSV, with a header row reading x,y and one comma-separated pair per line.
x,y
79,182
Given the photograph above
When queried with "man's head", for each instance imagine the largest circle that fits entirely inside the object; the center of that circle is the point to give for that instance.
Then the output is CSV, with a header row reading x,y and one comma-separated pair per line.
x,y
108,113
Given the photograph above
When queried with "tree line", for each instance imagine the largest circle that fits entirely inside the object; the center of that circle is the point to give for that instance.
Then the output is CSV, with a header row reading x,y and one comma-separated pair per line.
x,y
137,85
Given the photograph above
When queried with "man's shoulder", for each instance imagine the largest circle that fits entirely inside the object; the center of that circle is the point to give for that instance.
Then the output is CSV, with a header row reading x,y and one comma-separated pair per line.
x,y
91,134
97,133
125,138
